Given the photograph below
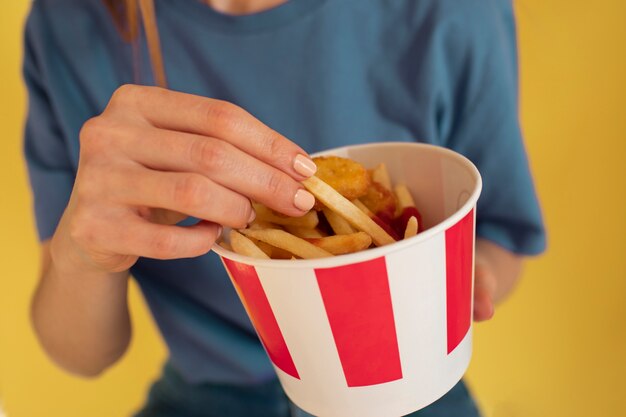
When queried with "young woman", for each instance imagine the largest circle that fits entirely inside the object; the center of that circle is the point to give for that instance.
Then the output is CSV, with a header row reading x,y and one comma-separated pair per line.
x,y
247,88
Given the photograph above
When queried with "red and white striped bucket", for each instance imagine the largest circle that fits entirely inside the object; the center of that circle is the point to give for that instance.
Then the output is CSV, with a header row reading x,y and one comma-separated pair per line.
x,y
383,332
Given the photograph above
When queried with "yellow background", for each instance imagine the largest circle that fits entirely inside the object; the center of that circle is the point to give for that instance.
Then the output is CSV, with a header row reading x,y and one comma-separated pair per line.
x,y
556,348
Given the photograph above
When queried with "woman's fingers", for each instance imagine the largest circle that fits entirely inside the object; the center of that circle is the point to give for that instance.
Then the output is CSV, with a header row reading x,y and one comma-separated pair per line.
x,y
154,156
182,192
483,305
221,162
183,112
162,216
140,237
484,289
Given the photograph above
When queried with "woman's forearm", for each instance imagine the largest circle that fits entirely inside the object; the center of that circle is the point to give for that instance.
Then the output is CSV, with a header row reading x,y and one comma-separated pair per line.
x,y
81,319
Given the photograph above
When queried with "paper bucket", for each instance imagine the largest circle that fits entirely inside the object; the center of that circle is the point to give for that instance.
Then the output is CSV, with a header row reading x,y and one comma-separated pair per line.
x,y
386,331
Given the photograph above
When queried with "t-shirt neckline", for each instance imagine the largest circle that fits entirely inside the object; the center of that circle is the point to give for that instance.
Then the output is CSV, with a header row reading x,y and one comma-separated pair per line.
x,y
277,16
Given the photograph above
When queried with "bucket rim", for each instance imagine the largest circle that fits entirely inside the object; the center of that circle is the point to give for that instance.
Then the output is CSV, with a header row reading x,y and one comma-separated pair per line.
x,y
381,251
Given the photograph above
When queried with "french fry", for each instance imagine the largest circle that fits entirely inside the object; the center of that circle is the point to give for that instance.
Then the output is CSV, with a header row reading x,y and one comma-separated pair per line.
x,y
309,220
380,222
244,246
226,245
341,244
411,228
381,176
304,232
288,242
267,249
262,224
339,225
401,221
335,201
404,197
363,207
272,251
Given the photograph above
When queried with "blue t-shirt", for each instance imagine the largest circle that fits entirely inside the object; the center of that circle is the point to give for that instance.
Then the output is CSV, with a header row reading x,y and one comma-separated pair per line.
x,y
324,73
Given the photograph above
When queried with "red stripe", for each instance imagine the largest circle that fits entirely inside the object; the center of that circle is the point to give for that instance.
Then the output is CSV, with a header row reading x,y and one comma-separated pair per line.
x,y
459,259
253,296
359,309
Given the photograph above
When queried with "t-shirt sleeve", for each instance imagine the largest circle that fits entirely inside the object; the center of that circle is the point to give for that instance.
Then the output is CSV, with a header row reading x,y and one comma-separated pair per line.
x,y
484,125
50,170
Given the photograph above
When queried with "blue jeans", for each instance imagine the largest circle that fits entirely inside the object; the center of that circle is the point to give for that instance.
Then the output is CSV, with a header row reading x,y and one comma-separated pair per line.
x,y
171,396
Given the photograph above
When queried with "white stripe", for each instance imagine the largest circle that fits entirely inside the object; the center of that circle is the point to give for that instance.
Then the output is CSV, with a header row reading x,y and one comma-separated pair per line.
x,y
418,288
299,310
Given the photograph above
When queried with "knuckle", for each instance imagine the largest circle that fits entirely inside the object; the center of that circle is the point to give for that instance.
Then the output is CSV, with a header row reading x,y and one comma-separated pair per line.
x,y
245,212
189,191
164,245
240,213
273,144
209,155
126,93
204,246
91,130
97,135
222,115
276,184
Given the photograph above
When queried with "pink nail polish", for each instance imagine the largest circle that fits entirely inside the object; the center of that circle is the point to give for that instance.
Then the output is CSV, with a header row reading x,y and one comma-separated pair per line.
x,y
304,200
304,166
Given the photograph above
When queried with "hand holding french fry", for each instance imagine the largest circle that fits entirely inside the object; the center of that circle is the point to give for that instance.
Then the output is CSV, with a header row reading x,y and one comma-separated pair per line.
x,y
154,157
355,209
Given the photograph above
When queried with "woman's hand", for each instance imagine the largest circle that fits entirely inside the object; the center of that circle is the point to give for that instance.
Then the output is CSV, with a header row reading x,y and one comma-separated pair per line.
x,y
484,291
496,273
152,158
153,154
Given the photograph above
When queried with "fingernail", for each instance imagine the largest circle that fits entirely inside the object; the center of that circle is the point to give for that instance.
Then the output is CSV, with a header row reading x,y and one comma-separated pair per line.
x,y
252,216
220,229
304,200
304,166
